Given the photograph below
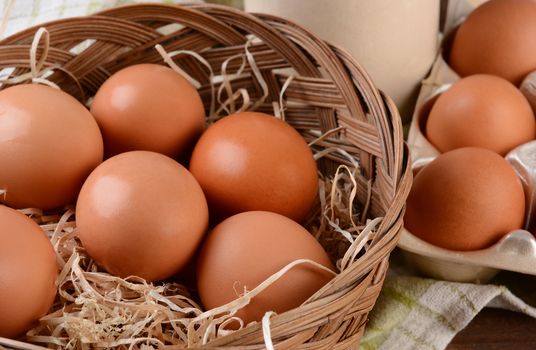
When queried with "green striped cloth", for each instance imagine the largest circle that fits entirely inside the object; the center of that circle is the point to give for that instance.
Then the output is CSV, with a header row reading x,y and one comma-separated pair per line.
x,y
418,313
22,14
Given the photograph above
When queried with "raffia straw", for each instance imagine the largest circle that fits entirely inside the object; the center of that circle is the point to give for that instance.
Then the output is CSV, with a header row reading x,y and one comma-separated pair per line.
x,y
336,202
233,96
244,299
331,150
89,298
92,303
352,196
168,58
257,73
279,108
226,85
266,332
35,64
97,296
94,309
326,135
338,213
92,306
14,344
243,93
357,245
92,300
227,78
32,212
37,72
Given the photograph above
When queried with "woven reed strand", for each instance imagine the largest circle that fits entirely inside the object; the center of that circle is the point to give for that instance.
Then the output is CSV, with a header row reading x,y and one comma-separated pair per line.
x,y
330,90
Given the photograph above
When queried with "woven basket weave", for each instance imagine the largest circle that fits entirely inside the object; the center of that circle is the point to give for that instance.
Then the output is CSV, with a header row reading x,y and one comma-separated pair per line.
x,y
329,90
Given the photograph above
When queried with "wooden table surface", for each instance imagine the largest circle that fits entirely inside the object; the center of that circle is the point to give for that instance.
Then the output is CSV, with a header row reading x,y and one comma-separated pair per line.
x,y
500,329
495,329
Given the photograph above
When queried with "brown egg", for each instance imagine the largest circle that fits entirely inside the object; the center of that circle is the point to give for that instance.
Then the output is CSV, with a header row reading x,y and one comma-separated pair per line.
x,y
465,199
148,107
141,213
252,161
481,111
28,272
245,249
497,38
49,143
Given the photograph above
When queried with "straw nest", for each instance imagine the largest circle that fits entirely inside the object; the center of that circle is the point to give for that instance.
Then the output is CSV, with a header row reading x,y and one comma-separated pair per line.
x,y
238,61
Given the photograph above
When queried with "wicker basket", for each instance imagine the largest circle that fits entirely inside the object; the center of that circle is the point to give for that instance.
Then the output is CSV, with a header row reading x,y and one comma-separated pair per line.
x,y
329,91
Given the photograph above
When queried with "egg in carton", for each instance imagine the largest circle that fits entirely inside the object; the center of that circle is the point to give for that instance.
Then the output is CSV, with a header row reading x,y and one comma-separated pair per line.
x,y
516,251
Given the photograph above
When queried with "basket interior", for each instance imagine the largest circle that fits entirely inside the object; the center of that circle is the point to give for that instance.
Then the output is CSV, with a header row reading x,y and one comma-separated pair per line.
x,y
328,94
320,97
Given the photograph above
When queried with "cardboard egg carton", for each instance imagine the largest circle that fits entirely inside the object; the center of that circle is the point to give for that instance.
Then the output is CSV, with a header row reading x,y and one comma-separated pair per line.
x,y
514,252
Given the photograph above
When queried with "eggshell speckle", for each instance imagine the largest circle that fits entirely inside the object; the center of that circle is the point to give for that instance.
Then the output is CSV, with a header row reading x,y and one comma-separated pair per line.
x,y
481,111
141,213
465,199
49,143
245,249
148,107
252,161
28,272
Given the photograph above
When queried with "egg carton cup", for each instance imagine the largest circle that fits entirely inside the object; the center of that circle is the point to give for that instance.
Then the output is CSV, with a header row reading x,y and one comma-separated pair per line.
x,y
272,65
516,251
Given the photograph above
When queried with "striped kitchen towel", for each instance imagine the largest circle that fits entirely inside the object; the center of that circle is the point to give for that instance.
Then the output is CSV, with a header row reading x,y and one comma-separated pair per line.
x,y
418,313
21,14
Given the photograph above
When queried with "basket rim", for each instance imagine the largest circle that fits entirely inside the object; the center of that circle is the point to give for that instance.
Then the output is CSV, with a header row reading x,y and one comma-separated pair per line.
x,y
395,162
